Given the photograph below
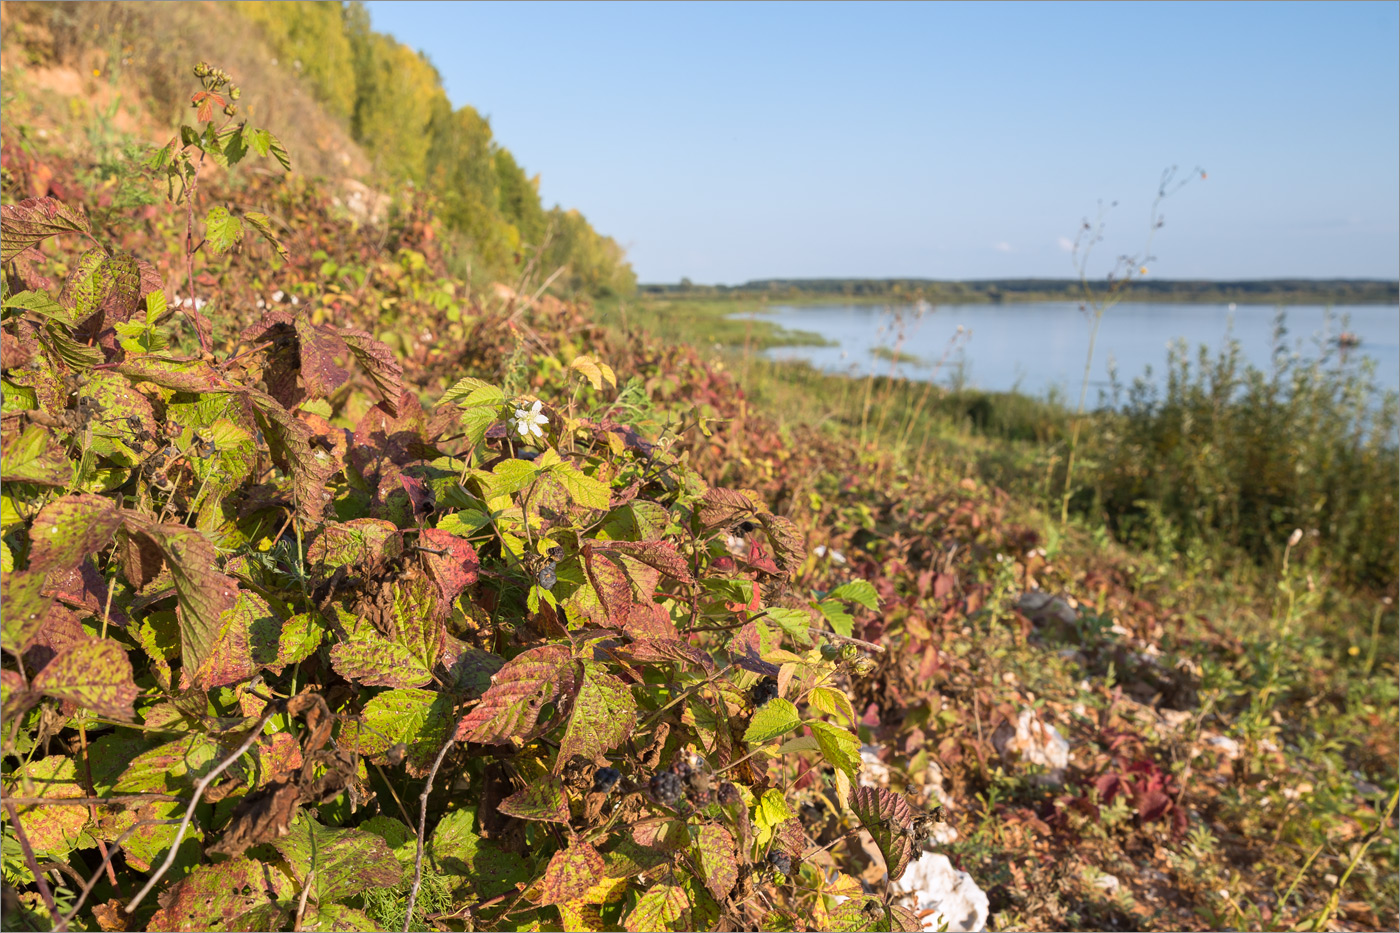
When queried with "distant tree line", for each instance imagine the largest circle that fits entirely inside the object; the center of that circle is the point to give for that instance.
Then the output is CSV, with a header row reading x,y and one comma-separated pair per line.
x,y
393,102
973,291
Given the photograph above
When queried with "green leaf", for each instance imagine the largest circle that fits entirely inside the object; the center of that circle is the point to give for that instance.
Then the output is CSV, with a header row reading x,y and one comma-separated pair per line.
x,y
859,591
832,702
583,489
300,637
840,748
842,622
719,860
456,850
95,674
510,708
41,304
660,907
540,799
420,719
474,393
222,230
263,225
774,718
375,661
604,714
511,476
264,143
793,621
345,861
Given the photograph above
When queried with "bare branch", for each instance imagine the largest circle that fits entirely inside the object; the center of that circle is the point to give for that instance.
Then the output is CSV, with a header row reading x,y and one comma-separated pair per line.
x,y
194,801
423,830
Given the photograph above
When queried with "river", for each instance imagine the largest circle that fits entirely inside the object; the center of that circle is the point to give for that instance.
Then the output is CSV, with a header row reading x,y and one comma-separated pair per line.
x,y
1039,347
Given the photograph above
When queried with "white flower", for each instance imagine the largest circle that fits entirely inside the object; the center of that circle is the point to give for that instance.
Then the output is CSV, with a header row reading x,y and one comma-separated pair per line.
x,y
528,420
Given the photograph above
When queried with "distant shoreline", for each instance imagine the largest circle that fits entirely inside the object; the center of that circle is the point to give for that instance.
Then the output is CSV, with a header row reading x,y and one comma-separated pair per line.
x,y
1012,291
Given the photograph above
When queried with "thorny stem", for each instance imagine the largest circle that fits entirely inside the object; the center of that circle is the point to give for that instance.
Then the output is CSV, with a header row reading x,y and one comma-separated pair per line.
x,y
194,801
423,830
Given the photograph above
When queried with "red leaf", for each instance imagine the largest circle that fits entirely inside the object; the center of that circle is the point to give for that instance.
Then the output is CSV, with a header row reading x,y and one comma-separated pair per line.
x,y
454,570
661,555
510,708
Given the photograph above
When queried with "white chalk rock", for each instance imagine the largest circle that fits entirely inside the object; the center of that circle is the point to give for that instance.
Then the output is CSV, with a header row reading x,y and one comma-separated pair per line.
x,y
873,771
1034,741
932,883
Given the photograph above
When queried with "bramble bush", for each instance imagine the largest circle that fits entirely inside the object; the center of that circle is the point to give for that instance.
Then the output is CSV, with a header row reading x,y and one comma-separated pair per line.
x,y
287,649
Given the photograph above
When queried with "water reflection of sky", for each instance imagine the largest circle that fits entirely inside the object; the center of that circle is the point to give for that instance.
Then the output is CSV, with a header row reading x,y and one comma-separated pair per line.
x,y
1037,346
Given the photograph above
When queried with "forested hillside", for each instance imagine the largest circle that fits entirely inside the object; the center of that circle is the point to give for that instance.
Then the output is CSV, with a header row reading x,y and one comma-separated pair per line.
x,y
350,101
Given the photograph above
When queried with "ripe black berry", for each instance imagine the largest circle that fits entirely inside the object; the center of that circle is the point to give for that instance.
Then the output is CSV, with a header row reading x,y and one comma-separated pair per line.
x,y
605,779
763,691
547,577
780,861
728,794
666,787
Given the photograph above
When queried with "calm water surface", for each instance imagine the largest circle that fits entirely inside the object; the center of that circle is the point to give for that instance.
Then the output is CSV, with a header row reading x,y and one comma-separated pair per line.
x,y
1036,347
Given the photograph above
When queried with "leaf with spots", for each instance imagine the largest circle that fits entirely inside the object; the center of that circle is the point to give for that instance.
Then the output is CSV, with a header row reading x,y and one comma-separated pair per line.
x,y
345,861
319,346
519,690
884,813
419,719
361,544
53,831
222,230
231,895
660,555
205,593
570,873
384,370
604,714
25,608
247,641
658,909
33,455
374,661
36,219
68,530
540,799
454,567
95,674
719,860
289,442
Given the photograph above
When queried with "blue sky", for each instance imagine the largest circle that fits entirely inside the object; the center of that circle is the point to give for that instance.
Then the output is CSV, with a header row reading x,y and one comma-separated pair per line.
x,y
726,142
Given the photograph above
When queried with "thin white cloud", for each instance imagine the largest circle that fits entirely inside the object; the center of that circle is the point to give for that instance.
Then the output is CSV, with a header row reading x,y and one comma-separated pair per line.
x,y
1066,244
1002,247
